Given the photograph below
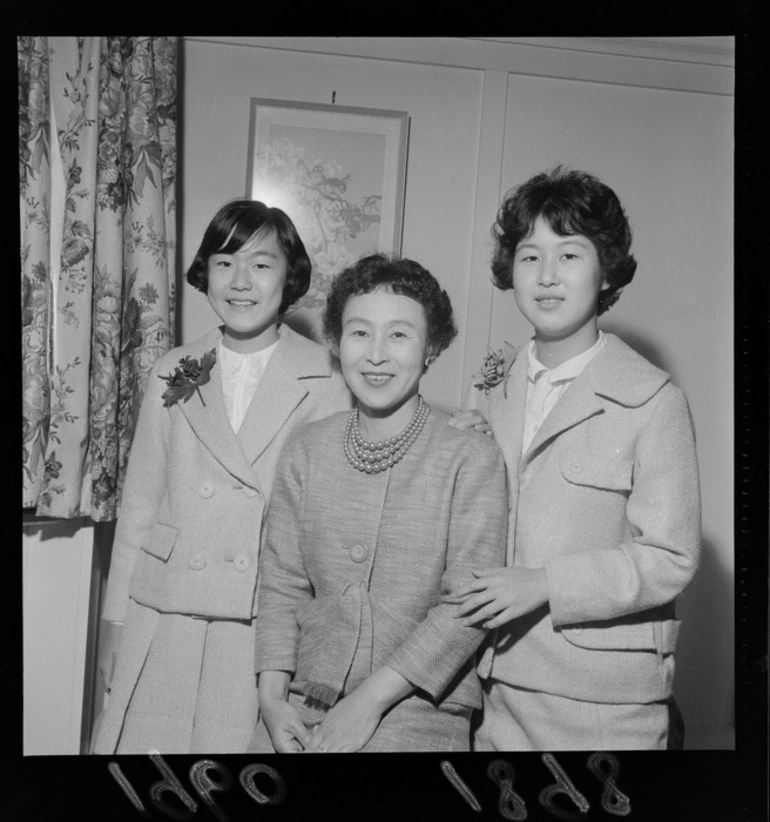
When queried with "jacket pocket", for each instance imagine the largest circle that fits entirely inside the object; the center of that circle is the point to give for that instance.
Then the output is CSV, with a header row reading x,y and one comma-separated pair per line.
x,y
581,467
659,636
161,541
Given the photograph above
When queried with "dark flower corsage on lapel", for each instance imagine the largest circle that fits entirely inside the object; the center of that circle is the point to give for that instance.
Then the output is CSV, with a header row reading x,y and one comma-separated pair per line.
x,y
187,378
494,368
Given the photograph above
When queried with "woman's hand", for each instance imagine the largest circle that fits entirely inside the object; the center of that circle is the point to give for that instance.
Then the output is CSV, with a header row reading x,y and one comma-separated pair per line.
x,y
348,726
285,726
461,420
107,654
282,720
498,595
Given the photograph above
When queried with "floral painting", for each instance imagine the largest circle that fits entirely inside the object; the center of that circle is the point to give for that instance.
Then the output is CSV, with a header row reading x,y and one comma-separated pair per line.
x,y
338,172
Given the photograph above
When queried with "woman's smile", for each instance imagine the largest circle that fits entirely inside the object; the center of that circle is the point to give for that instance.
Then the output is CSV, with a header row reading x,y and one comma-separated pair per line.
x,y
376,378
382,352
241,304
548,301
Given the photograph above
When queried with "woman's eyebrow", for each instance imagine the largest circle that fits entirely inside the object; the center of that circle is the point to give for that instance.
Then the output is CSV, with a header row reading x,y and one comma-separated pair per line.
x,y
371,322
265,254
575,238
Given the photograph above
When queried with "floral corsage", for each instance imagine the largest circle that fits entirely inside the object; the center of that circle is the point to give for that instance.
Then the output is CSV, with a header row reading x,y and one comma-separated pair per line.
x,y
187,378
494,368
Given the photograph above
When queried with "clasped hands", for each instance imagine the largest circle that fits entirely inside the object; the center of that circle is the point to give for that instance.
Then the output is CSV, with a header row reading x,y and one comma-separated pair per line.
x,y
346,728
348,725
498,595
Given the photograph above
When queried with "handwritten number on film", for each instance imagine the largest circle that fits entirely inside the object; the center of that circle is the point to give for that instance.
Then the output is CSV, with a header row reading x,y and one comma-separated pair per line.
x,y
209,777
201,775
512,806
613,800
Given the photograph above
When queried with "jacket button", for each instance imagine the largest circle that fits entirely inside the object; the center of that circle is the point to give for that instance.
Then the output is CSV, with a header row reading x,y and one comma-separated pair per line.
x,y
359,551
197,562
241,562
206,489
250,492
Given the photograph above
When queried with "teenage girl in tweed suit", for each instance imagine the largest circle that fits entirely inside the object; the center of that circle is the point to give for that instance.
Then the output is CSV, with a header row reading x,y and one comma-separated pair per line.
x,y
604,529
177,650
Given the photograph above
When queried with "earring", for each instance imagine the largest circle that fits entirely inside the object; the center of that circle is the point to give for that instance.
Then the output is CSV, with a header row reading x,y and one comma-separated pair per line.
x,y
429,361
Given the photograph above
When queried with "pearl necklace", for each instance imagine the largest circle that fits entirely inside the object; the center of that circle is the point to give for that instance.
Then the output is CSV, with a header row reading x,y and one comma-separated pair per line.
x,y
373,457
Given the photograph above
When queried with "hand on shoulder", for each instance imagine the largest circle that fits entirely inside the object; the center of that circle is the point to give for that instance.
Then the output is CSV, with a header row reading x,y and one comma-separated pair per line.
x,y
462,420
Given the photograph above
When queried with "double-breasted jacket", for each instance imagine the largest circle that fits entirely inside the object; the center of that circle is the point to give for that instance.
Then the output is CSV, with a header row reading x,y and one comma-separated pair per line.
x,y
188,535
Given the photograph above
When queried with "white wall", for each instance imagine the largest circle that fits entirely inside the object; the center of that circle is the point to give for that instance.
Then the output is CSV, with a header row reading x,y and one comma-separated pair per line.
x,y
57,558
652,119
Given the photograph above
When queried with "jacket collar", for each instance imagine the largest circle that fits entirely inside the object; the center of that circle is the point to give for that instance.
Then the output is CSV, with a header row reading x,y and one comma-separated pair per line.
x,y
300,355
279,392
616,373
281,389
623,376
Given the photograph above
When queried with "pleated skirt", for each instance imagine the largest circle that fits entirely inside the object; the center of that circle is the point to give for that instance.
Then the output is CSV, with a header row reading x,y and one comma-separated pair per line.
x,y
182,684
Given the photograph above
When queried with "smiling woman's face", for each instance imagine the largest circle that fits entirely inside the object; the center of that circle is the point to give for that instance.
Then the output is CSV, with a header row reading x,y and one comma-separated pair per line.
x,y
382,351
245,289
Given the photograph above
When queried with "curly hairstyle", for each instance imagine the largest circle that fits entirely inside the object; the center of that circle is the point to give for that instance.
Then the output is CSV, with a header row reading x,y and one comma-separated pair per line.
x,y
238,222
399,276
571,202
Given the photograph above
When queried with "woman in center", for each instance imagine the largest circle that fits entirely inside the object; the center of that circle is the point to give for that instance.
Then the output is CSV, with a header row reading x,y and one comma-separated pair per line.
x,y
378,515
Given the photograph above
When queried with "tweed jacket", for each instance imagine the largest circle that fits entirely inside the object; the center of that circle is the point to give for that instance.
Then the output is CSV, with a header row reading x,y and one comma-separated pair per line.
x,y
607,500
354,565
188,534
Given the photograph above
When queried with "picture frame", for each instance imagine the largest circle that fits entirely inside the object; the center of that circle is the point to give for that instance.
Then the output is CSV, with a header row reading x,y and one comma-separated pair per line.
x,y
339,172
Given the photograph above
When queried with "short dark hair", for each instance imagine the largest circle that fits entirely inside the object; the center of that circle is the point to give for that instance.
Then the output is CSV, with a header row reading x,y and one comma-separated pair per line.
x,y
571,202
400,276
234,225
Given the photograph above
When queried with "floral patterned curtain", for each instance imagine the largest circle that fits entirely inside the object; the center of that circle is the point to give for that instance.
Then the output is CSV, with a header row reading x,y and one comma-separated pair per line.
x,y
97,164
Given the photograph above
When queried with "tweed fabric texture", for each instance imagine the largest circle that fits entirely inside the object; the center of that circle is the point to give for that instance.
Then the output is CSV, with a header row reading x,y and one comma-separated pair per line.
x,y
188,536
606,499
187,539
545,722
354,565
183,685
414,725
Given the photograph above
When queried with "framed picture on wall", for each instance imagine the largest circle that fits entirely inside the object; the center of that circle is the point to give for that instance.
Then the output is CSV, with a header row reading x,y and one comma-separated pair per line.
x,y
338,172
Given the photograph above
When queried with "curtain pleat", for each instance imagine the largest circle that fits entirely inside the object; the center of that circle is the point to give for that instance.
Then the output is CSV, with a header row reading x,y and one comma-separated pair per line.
x,y
35,187
112,105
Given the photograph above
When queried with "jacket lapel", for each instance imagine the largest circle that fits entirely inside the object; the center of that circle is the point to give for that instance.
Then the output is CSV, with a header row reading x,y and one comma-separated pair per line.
x,y
281,389
207,415
506,412
578,403
616,372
